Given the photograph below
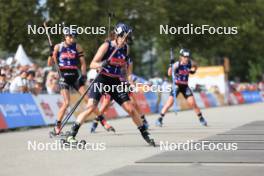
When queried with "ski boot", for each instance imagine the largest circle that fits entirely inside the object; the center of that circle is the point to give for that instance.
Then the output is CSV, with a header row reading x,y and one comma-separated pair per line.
x,y
94,126
203,121
145,123
145,134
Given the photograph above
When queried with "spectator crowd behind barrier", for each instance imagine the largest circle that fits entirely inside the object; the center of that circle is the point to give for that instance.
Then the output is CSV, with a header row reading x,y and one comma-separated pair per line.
x,y
15,78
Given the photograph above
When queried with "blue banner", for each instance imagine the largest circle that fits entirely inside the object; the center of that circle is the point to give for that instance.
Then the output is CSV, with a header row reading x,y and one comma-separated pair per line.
x,y
152,100
251,96
20,110
212,100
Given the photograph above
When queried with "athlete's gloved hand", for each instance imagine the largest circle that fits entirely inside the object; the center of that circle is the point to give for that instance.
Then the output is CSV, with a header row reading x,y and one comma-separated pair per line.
x,y
61,80
83,78
51,50
172,62
105,63
192,71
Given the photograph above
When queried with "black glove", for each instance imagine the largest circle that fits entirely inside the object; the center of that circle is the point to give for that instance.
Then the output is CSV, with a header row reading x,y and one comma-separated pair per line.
x,y
172,62
51,50
192,71
105,63
61,80
83,78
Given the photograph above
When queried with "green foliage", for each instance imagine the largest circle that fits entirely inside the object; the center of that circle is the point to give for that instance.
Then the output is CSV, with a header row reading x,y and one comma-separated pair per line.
x,y
244,49
14,18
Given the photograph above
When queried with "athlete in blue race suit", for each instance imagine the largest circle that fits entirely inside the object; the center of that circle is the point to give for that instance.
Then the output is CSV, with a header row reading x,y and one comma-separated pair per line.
x,y
109,76
67,56
182,69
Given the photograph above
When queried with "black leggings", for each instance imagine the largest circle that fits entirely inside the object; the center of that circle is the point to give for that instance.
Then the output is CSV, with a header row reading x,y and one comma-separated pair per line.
x,y
184,89
108,85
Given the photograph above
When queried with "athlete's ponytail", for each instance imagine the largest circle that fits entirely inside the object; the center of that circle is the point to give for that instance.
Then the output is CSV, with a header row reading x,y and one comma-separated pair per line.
x,y
112,36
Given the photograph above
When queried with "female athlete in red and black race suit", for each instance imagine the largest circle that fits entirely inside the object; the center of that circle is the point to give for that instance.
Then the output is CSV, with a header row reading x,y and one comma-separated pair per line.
x,y
68,55
126,78
109,76
182,69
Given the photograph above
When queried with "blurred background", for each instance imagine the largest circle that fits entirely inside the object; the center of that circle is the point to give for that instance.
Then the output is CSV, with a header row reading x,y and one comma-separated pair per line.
x,y
241,55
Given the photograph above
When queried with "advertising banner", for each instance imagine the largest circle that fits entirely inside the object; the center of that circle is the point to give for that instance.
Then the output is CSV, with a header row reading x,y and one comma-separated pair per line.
x,y
199,100
3,124
240,98
20,110
211,77
49,107
153,101
205,99
142,102
212,100
252,96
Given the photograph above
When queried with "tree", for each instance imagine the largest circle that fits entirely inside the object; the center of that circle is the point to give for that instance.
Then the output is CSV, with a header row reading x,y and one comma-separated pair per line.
x,y
15,16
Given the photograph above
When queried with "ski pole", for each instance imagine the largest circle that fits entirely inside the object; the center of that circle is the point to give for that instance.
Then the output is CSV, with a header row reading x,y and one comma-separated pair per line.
x,y
174,87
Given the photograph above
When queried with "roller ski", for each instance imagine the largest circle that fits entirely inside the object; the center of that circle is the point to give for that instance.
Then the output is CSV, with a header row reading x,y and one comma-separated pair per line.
x,y
71,142
106,126
56,133
53,134
145,134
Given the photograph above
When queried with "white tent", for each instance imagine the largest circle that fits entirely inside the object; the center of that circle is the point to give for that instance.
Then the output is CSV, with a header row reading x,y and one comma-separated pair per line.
x,y
21,56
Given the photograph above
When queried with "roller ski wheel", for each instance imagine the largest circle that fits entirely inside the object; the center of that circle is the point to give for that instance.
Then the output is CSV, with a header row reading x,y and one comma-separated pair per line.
x,y
63,141
149,140
67,133
73,143
53,134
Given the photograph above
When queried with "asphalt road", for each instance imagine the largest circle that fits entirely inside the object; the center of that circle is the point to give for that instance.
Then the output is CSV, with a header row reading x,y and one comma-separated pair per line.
x,y
108,151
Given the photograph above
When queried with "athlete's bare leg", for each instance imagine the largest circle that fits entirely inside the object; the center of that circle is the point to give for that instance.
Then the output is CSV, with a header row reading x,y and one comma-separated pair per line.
x,y
164,110
192,103
137,107
65,104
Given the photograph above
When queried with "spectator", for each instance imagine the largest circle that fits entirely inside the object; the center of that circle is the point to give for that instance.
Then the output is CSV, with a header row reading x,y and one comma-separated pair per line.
x,y
4,84
38,87
31,82
52,83
19,84
261,86
198,88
